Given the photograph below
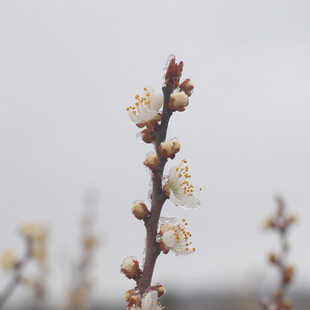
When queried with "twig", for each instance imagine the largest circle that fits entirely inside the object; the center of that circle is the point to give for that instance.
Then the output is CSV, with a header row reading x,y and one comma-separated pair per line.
x,y
170,235
158,199
17,274
280,222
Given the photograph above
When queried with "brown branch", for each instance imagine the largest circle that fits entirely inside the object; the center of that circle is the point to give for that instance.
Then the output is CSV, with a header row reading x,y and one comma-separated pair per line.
x,y
281,223
17,274
158,199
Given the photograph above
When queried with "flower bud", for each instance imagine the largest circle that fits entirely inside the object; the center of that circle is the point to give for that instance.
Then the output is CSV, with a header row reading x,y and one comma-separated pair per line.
x,y
288,274
128,294
278,294
90,242
147,135
272,258
268,223
173,74
178,101
39,253
159,288
169,148
292,218
187,86
33,232
140,211
8,260
152,161
134,300
287,303
130,268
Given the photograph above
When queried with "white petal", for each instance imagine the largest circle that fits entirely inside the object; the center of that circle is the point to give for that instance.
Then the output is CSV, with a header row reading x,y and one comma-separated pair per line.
x,y
192,202
149,301
156,101
147,116
173,175
134,117
181,251
175,200
169,238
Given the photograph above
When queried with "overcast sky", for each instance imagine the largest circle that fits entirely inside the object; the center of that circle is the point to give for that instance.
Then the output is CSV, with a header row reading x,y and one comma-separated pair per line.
x,y
69,69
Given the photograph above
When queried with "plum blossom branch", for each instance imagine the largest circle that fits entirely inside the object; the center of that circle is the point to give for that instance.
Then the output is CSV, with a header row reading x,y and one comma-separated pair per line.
x,y
18,267
281,223
35,238
146,113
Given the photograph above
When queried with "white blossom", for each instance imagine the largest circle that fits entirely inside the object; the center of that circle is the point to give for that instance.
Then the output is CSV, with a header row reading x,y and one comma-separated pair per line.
x,y
146,107
149,301
178,189
175,237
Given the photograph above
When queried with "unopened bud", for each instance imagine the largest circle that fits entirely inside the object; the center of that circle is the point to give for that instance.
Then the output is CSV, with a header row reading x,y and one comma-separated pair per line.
x,y
187,86
272,258
178,101
268,223
169,148
33,232
140,210
287,303
8,260
90,242
278,294
147,135
39,253
160,289
134,299
292,218
173,74
288,274
130,268
128,294
152,161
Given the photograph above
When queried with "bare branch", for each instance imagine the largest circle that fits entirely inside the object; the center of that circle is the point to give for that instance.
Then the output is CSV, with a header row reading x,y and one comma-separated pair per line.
x,y
17,274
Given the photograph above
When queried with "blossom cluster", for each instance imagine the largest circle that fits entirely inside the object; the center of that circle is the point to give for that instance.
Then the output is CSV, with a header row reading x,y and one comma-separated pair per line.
x,y
151,112
35,237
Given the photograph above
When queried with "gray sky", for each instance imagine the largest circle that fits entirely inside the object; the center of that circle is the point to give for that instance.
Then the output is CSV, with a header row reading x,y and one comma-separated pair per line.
x,y
69,69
